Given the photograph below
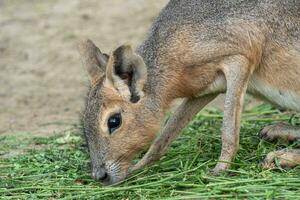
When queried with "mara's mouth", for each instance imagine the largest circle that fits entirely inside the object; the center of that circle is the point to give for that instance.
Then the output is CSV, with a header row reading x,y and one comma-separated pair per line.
x,y
114,173
113,179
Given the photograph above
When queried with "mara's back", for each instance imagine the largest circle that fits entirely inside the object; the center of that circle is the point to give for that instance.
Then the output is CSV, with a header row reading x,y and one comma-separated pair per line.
x,y
279,16
279,20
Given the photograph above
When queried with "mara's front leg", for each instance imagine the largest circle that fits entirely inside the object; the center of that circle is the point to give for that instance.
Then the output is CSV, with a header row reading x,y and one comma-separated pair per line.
x,y
237,71
180,118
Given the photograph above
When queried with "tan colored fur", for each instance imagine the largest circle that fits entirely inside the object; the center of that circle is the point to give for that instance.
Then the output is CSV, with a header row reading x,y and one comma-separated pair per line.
x,y
274,65
287,158
281,131
195,50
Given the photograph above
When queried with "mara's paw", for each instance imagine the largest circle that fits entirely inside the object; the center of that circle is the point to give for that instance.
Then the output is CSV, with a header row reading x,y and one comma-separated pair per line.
x,y
219,169
286,158
277,131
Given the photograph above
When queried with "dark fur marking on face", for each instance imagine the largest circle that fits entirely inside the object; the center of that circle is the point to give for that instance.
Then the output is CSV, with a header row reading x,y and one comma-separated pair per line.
x,y
118,54
126,73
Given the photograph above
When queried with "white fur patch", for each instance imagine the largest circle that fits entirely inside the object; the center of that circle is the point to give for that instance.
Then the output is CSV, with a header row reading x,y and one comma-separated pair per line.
x,y
284,98
218,86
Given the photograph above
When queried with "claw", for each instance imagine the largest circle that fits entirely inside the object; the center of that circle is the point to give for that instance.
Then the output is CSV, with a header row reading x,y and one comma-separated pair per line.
x,y
286,159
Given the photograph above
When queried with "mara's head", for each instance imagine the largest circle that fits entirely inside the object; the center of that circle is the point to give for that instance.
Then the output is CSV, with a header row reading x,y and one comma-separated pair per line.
x,y
117,121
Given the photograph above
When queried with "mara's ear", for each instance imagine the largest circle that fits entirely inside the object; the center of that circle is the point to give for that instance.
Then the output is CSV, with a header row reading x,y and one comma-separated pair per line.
x,y
93,59
127,73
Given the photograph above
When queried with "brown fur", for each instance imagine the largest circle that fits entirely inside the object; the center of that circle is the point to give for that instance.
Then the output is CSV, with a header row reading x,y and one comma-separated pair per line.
x,y
194,50
287,158
274,65
281,131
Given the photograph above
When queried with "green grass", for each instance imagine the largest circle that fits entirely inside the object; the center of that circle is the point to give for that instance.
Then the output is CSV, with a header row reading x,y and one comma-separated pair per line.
x,y
58,168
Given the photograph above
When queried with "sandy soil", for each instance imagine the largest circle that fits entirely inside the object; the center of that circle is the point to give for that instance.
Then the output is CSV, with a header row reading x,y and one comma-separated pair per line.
x,y
42,82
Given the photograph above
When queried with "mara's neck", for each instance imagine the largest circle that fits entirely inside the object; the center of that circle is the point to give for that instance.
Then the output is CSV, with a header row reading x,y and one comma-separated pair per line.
x,y
160,87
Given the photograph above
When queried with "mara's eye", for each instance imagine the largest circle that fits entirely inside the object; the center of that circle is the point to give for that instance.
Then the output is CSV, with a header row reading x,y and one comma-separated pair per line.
x,y
114,122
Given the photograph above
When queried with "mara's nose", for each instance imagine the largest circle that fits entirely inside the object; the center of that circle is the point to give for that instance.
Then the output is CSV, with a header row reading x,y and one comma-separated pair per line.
x,y
100,174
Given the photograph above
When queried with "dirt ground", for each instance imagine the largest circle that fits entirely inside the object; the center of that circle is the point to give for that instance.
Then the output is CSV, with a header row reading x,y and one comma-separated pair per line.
x,y
42,81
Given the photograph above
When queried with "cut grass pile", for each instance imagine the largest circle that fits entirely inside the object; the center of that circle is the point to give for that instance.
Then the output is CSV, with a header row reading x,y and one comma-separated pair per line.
x,y
59,168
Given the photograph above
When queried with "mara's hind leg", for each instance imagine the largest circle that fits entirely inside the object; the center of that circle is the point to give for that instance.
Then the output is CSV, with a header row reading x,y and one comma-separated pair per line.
x,y
280,131
286,158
